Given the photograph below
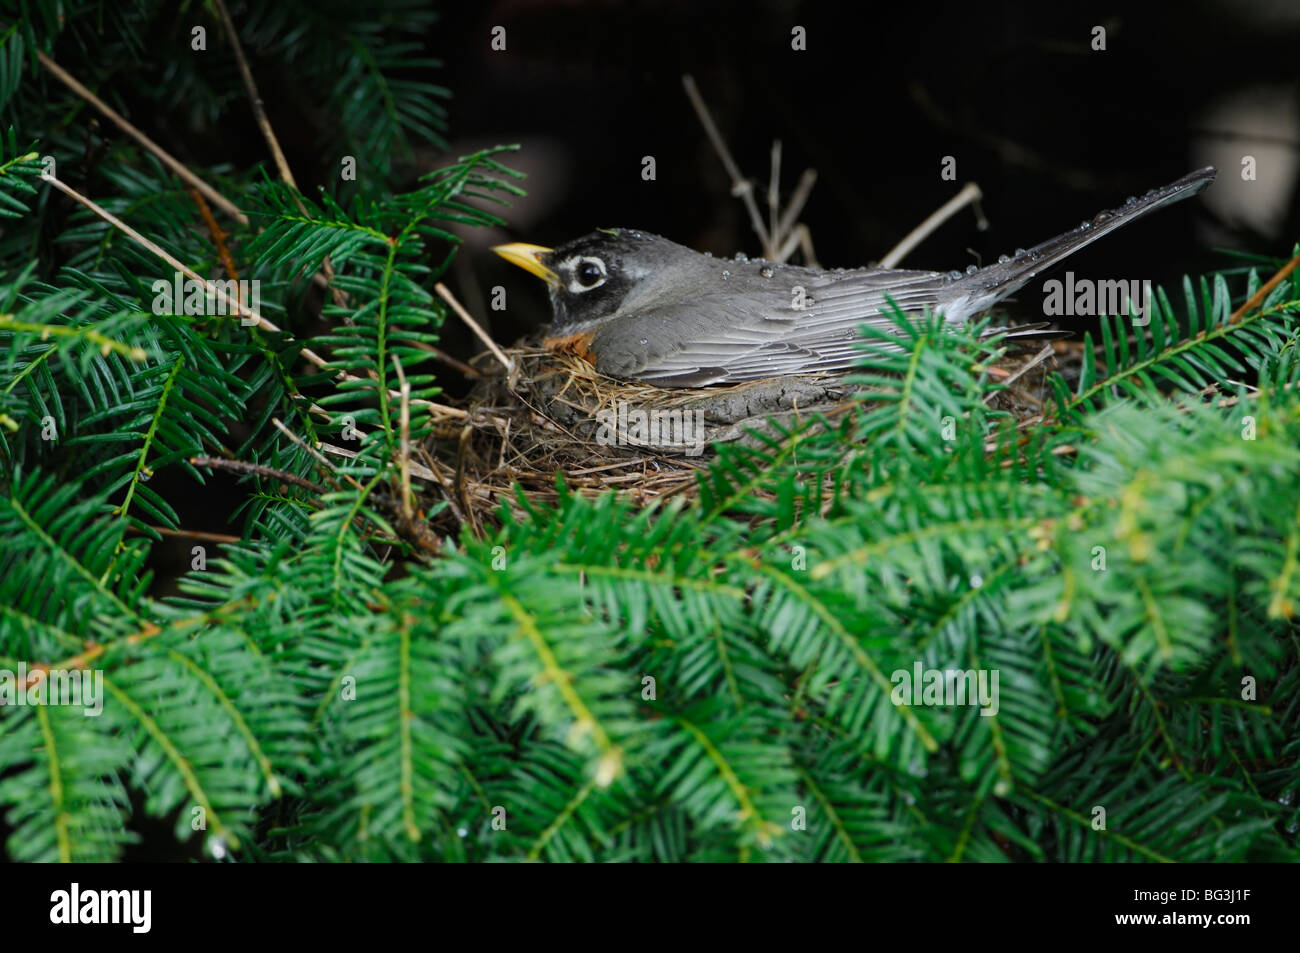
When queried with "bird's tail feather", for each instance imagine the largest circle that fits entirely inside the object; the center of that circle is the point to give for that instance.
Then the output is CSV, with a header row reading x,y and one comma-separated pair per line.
x,y
984,288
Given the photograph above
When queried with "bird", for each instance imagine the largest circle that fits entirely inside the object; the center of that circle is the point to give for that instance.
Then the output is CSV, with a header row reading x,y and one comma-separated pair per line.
x,y
639,307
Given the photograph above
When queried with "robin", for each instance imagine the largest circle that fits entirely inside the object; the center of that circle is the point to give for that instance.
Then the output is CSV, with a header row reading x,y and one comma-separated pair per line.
x,y
640,307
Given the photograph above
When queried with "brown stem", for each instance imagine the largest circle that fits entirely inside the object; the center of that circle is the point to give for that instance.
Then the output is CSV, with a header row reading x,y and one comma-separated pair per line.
x,y
242,466
268,133
184,174
1258,297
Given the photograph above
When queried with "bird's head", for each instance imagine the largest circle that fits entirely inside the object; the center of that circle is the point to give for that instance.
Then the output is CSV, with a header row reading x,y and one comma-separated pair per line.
x,y
602,274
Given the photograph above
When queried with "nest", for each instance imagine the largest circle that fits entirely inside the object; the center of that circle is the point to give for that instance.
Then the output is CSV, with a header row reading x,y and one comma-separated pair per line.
x,y
555,416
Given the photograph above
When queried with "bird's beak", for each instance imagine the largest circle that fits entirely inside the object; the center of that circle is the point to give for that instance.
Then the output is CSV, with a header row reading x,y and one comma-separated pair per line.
x,y
529,258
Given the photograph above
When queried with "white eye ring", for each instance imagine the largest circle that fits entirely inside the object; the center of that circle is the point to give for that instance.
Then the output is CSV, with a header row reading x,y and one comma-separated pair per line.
x,y
571,266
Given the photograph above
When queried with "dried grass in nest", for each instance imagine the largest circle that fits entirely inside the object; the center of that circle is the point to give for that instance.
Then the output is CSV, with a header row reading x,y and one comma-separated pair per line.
x,y
545,419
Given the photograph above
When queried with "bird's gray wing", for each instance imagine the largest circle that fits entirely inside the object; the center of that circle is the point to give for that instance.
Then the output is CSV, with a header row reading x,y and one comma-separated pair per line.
x,y
752,329
756,330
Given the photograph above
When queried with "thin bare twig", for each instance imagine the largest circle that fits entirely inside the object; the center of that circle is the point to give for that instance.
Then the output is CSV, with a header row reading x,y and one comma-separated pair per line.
x,y
798,198
257,469
440,355
774,193
222,538
238,306
448,494
268,133
1043,354
255,100
462,454
970,194
482,335
740,186
779,237
183,173
409,520
319,457
418,469
801,239
404,435
131,233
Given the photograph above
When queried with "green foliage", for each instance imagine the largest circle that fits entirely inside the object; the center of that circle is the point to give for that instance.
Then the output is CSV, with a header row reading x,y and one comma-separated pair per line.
x,y
706,679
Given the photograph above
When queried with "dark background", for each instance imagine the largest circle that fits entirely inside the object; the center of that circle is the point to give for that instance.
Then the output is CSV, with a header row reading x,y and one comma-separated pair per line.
x,y
1050,129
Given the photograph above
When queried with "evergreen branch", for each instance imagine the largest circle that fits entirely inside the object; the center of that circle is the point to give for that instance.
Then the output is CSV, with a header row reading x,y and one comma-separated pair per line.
x,y
178,761
1175,353
63,555
561,819
58,807
105,344
236,718
749,814
404,727
585,723
936,531
159,408
855,650
1083,822
840,831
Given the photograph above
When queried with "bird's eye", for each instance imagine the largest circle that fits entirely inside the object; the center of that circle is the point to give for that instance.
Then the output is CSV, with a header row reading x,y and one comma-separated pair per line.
x,y
589,273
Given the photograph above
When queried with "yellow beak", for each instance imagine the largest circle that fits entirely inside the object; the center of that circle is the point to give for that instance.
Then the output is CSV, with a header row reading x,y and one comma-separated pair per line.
x,y
529,258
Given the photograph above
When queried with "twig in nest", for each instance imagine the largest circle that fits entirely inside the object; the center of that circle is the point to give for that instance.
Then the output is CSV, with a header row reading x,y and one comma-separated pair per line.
x,y
423,472
774,190
404,437
447,493
788,226
461,456
784,234
1011,377
482,335
440,355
